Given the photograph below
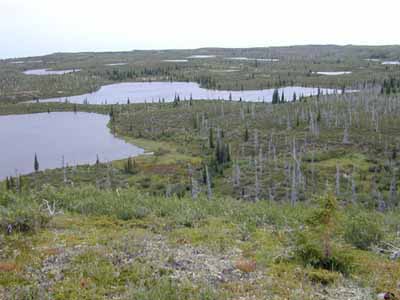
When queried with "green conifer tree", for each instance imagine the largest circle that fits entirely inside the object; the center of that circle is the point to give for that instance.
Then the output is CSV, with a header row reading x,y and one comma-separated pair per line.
x,y
36,164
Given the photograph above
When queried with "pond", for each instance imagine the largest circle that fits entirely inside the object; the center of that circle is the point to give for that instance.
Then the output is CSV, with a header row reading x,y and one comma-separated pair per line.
x,y
202,56
253,59
140,92
49,72
79,137
175,60
391,62
117,64
334,73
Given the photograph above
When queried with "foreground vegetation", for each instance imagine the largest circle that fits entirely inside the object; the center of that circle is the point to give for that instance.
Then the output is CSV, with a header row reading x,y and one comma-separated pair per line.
x,y
126,245
295,200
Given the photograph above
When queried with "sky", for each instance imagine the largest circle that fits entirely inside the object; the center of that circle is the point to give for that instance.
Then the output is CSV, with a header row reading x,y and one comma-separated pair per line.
x,y
37,27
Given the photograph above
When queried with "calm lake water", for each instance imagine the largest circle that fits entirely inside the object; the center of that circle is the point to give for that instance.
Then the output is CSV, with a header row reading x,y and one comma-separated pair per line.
x,y
202,56
49,72
334,73
253,59
79,137
391,63
139,92
117,64
176,60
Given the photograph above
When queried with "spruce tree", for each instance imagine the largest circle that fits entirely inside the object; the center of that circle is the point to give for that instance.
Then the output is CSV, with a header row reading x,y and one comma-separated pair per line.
x,y
8,186
11,183
275,97
36,164
111,113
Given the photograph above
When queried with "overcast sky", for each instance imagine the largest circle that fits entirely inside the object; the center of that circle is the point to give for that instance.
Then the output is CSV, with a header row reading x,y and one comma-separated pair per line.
x,y
35,27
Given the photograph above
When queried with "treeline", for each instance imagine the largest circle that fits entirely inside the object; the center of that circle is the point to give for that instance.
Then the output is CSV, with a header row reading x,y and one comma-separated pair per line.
x,y
121,75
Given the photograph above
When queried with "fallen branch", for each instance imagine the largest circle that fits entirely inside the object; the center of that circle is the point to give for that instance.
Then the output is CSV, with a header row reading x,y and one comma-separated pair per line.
x,y
51,209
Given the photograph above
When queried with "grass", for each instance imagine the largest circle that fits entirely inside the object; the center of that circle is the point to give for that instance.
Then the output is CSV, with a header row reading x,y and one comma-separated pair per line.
x,y
94,243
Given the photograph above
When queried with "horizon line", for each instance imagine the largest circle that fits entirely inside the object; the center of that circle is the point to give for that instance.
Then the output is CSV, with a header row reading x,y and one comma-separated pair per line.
x,y
199,48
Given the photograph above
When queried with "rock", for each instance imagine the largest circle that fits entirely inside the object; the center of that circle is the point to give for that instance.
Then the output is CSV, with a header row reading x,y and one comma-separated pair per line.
x,y
395,255
386,296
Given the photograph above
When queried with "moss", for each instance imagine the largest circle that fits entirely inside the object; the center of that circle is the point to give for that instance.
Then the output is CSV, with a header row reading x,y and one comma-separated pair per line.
x,y
12,279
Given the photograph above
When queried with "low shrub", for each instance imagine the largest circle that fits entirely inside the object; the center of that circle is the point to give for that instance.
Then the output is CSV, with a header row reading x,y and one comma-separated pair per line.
x,y
310,250
21,215
362,231
315,245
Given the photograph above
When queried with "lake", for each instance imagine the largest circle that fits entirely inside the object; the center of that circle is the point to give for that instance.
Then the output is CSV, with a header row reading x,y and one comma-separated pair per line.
x,y
49,72
139,92
79,137
117,64
202,56
253,59
334,73
391,63
176,60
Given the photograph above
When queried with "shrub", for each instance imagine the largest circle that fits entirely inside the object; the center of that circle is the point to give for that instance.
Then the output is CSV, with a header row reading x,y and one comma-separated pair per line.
x,y
161,151
189,217
362,232
141,212
22,216
125,214
312,252
315,246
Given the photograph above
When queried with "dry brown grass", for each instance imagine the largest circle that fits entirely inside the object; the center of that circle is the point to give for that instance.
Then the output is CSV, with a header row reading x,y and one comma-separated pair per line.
x,y
7,267
245,265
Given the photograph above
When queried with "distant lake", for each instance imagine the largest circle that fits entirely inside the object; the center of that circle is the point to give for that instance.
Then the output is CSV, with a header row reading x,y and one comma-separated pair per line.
x,y
391,62
334,73
79,137
117,64
49,72
176,60
140,92
253,59
202,56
